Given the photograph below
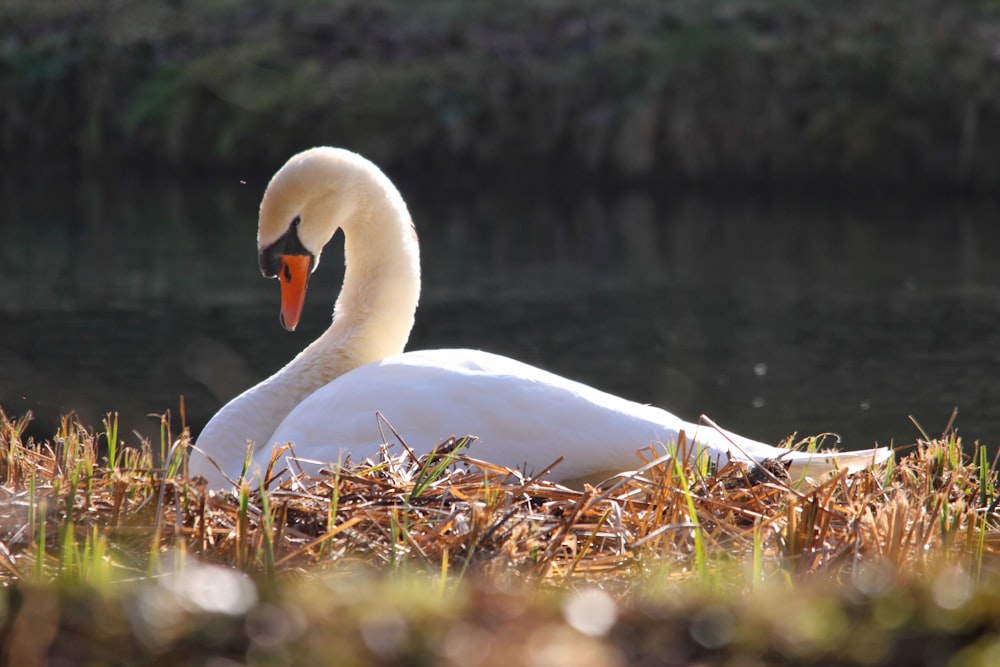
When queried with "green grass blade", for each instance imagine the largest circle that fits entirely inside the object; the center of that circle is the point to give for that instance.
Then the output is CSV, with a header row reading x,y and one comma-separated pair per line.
x,y
111,433
267,531
701,561
757,567
432,470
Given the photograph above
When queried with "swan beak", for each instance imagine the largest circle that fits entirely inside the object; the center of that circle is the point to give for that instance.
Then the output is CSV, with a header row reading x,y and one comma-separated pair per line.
x,y
293,277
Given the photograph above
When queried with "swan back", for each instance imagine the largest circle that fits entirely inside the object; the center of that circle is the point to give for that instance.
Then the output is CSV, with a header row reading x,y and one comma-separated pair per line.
x,y
523,417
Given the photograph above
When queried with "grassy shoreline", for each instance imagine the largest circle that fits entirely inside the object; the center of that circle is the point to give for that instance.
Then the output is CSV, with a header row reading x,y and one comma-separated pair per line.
x,y
117,558
769,91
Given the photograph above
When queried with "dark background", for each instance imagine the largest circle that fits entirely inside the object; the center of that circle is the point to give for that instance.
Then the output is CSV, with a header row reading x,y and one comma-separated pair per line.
x,y
781,214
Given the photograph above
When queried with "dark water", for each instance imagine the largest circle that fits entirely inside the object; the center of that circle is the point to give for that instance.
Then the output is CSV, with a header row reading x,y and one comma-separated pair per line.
x,y
772,316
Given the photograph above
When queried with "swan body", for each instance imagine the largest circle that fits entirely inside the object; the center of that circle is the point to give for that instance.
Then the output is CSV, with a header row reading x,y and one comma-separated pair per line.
x,y
337,398
523,416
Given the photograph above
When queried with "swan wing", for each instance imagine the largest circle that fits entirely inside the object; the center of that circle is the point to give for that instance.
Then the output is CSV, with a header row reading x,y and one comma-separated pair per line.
x,y
521,415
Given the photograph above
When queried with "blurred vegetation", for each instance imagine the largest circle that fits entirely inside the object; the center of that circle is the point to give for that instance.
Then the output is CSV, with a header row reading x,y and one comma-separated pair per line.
x,y
367,621
768,90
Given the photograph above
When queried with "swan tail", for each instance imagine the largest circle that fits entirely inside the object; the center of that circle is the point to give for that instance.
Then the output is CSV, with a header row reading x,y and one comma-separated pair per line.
x,y
800,463
818,464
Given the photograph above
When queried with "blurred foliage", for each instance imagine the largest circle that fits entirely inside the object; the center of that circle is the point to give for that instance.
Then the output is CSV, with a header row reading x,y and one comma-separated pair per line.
x,y
363,620
887,91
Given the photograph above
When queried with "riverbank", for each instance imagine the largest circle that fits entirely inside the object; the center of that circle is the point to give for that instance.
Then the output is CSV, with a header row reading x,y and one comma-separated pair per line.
x,y
111,556
755,92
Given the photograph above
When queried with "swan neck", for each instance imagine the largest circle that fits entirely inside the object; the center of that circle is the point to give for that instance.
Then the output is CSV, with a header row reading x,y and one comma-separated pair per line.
x,y
377,304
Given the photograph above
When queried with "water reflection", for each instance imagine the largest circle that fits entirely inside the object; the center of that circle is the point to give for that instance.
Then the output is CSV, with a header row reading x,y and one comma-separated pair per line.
x,y
770,316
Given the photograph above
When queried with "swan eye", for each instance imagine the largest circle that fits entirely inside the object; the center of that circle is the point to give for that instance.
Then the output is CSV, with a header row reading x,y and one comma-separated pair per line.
x,y
270,257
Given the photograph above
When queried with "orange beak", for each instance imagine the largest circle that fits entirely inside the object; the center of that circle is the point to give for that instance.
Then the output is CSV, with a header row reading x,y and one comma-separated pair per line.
x,y
293,277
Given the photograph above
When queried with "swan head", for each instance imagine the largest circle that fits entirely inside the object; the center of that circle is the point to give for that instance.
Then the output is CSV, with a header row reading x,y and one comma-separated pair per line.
x,y
305,203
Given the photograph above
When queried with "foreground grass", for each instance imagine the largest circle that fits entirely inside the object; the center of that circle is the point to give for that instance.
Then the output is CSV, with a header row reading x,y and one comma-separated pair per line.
x,y
114,559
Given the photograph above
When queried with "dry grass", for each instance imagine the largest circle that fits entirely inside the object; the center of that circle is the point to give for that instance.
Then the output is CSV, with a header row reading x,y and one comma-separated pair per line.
x,y
66,507
112,559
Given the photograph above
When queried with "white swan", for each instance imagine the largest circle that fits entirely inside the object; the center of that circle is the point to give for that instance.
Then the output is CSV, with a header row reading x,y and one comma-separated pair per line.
x,y
326,399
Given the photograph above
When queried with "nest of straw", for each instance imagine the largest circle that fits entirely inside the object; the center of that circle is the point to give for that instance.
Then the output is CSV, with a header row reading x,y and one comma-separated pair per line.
x,y
450,513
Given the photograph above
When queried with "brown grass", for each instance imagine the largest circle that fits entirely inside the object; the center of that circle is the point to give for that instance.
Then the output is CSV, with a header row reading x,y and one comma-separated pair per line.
x,y
934,508
115,560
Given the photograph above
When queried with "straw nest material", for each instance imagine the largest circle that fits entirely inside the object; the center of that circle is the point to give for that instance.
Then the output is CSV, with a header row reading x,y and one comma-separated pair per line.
x,y
449,513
